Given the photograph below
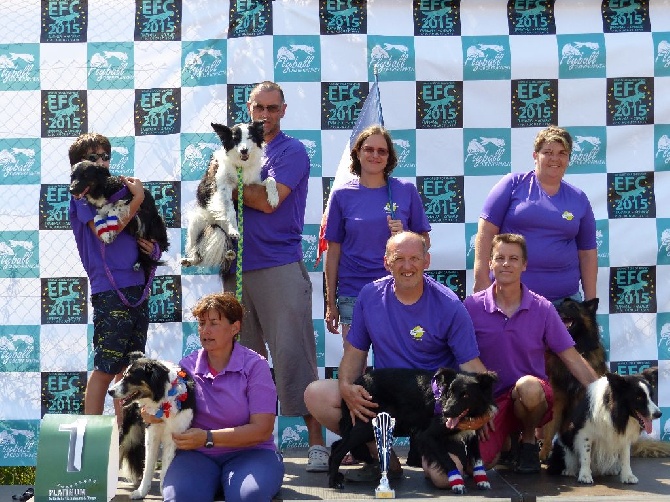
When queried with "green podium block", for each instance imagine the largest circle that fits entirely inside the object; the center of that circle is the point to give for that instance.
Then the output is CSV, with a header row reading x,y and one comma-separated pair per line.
x,y
77,458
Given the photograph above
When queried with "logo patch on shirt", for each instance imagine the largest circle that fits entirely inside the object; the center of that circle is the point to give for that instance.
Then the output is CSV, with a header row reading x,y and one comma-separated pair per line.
x,y
387,207
417,333
567,215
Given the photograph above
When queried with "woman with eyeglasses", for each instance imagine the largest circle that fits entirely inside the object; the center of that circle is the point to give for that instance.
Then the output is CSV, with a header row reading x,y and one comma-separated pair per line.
x,y
118,328
362,215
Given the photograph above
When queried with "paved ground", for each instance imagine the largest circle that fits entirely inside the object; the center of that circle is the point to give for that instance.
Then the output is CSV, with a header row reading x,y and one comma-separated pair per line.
x,y
654,485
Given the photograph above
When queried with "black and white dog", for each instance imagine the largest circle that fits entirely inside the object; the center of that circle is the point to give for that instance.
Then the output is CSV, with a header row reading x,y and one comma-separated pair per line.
x,y
212,224
165,391
441,409
111,198
610,418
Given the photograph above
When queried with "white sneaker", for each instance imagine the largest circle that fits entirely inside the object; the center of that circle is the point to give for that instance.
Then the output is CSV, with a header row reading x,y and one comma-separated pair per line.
x,y
317,458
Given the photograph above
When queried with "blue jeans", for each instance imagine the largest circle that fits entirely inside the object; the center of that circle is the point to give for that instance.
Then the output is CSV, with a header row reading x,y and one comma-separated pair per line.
x,y
250,475
345,305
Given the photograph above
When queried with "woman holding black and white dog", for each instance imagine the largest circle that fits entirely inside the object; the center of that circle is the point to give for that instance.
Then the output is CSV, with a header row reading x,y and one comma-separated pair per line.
x,y
229,448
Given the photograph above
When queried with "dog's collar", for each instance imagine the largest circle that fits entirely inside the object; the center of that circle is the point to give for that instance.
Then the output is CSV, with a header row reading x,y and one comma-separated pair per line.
x,y
177,394
118,195
437,392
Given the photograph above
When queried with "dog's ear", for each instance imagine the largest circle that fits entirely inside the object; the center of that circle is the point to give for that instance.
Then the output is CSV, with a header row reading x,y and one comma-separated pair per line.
x,y
591,306
135,355
257,131
486,380
444,376
651,376
615,380
223,132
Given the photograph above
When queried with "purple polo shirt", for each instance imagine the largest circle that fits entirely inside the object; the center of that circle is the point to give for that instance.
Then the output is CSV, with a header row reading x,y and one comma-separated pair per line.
x,y
434,332
120,255
228,399
515,346
556,227
275,239
357,220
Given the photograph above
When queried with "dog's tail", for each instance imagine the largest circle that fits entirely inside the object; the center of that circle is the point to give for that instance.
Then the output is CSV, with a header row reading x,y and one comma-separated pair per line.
x,y
650,448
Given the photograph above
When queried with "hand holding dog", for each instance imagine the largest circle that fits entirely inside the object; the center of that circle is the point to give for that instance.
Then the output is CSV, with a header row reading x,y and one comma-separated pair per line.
x,y
359,402
135,187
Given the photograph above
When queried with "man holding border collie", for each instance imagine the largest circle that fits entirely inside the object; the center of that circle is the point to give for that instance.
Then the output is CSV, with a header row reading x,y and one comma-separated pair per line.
x,y
514,327
410,321
277,291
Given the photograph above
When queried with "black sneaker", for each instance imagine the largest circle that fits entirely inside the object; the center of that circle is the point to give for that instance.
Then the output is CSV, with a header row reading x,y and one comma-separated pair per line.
x,y
529,459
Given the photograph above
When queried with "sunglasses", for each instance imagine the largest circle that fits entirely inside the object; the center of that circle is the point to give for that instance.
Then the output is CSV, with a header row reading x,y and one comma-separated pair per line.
x,y
269,108
95,156
382,152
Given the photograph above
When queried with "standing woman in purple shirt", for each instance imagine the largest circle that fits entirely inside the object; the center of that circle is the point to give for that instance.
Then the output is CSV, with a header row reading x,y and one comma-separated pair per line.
x,y
229,449
555,217
362,215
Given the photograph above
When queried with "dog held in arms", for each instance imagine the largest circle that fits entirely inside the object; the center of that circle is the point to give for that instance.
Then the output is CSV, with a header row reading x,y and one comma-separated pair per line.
x,y
441,409
111,198
165,391
212,224
606,423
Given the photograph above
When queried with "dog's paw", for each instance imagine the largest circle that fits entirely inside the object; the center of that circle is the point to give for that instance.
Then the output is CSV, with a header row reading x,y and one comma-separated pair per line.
x,y
585,477
484,485
458,489
271,189
629,479
336,481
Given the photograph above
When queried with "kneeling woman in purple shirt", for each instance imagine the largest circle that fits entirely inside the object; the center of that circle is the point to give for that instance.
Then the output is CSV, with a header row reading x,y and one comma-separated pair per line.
x,y
229,448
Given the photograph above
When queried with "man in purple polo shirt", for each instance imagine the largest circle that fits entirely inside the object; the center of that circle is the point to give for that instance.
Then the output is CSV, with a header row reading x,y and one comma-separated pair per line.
x,y
410,321
277,291
514,327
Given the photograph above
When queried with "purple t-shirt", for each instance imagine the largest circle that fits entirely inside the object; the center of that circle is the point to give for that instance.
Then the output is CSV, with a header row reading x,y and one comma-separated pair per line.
x,y
556,227
120,255
228,399
275,239
515,346
357,220
434,332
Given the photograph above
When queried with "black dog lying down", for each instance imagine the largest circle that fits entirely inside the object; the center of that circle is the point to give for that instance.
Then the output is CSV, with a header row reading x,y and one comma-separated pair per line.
x,y
409,396
95,182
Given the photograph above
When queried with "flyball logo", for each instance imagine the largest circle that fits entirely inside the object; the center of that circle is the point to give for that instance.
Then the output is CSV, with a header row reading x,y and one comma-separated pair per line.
x,y
391,56
64,21
341,103
157,111
663,241
487,151
297,59
439,105
19,161
203,63
110,65
632,289
64,300
54,207
63,392
581,56
630,101
442,198
621,16
19,67
589,149
165,299
64,114
238,96
19,254
250,18
18,441
662,59
534,103
19,348
453,279
486,58
197,150
341,17
531,17
437,18
158,20
631,195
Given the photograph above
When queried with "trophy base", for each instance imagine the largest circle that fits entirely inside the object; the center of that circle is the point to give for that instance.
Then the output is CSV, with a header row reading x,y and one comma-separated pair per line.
x,y
384,493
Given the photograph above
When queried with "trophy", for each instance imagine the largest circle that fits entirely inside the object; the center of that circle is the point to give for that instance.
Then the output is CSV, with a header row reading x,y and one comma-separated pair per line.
x,y
383,425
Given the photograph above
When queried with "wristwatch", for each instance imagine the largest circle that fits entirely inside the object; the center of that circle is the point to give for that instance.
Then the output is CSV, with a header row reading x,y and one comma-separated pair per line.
x,y
209,443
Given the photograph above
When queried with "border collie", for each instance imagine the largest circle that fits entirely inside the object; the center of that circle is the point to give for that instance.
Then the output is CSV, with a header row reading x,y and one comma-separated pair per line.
x,y
441,409
213,221
111,198
165,391
610,418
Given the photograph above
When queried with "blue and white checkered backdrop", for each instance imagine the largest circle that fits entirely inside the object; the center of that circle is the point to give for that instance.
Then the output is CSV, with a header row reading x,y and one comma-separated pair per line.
x,y
465,86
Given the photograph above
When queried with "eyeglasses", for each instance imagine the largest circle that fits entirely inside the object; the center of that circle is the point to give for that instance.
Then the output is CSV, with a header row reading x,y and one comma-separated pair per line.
x,y
369,150
269,108
93,157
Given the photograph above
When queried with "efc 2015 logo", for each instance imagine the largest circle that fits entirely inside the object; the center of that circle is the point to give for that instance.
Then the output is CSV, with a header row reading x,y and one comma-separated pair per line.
x,y
64,114
625,16
157,111
439,105
534,103
442,198
340,17
630,101
54,206
531,17
632,289
437,18
64,21
341,103
238,96
63,392
453,279
250,18
165,299
158,20
631,195
64,300
167,197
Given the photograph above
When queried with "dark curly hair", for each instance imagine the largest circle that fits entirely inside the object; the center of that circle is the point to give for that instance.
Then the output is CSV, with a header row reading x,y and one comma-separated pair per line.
x,y
355,166
88,142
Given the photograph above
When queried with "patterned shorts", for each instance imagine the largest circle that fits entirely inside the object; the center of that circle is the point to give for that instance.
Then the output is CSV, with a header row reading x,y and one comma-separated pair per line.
x,y
118,329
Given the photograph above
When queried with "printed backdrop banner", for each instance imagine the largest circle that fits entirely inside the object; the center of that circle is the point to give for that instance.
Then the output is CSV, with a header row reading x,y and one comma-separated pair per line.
x,y
465,85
